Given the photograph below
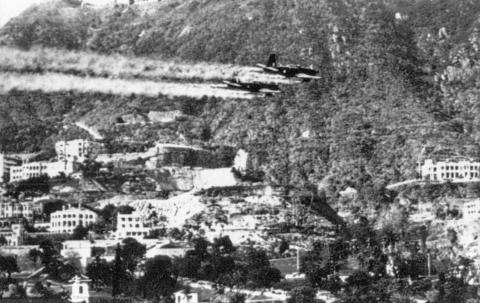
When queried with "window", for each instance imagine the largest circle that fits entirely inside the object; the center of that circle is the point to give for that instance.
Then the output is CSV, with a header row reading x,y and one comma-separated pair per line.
x,y
80,289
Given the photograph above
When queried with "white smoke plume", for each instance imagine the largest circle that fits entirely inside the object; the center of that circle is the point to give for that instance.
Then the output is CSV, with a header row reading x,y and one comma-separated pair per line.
x,y
55,82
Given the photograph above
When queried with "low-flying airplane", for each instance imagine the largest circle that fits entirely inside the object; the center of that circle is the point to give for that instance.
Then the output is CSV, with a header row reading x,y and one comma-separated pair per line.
x,y
296,71
254,87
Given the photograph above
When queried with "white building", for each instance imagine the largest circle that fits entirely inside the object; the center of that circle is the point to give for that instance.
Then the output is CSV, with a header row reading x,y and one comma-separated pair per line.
x,y
471,210
184,297
459,169
164,117
13,235
82,249
37,169
103,3
240,162
132,225
12,209
6,162
77,150
65,221
80,291
423,213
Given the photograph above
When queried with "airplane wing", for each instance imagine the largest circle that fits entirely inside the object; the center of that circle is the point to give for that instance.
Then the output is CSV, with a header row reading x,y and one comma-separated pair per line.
x,y
268,91
305,76
273,69
232,84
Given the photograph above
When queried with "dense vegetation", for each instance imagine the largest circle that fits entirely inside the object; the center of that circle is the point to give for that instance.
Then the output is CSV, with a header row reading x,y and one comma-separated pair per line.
x,y
396,76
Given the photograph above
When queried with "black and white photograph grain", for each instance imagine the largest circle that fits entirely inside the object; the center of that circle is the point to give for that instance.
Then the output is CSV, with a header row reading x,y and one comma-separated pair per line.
x,y
239,151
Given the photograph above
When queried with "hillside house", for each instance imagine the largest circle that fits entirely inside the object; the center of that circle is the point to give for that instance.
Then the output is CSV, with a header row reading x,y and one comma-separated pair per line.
x,y
184,297
471,210
14,209
67,219
132,225
6,162
164,117
13,235
77,150
455,169
37,169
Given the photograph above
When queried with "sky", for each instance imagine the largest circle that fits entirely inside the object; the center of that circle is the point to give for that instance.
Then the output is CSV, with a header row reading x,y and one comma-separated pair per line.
x,y
12,8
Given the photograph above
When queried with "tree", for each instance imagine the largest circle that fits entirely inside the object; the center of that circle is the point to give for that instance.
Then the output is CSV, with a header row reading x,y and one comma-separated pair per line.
x,y
452,236
90,168
237,298
108,213
201,247
258,271
34,255
176,233
317,264
51,206
223,245
187,266
8,264
118,273
158,280
80,232
35,184
50,257
125,209
302,294
100,272
284,246
131,253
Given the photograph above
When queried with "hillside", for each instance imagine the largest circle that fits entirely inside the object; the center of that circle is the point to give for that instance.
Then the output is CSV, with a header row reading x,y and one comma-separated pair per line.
x,y
396,76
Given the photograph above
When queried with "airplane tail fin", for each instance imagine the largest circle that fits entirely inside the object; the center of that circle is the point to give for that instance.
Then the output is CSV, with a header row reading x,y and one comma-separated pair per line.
x,y
272,61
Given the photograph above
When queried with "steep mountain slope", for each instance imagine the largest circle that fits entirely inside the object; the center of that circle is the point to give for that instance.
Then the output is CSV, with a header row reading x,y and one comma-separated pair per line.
x,y
396,75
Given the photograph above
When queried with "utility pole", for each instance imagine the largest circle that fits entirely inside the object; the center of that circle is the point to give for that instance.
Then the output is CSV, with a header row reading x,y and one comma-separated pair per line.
x,y
298,259
429,268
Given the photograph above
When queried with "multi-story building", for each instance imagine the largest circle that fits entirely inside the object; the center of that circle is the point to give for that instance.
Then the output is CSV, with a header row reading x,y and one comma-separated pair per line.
x,y
456,169
132,225
13,235
37,169
6,162
471,210
11,209
77,150
65,220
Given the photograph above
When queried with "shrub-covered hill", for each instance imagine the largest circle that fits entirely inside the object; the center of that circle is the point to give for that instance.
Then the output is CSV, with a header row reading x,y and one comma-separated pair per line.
x,y
396,76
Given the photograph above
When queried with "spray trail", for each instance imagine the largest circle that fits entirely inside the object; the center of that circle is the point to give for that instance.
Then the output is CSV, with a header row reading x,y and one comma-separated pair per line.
x,y
44,60
55,82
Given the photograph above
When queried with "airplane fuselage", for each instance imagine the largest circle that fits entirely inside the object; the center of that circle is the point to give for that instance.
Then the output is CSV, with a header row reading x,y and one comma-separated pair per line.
x,y
291,72
253,87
